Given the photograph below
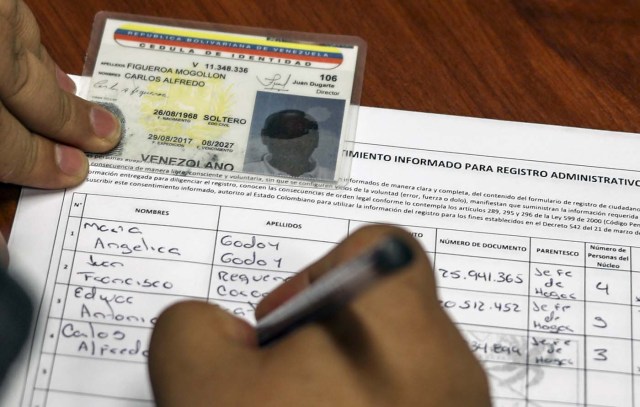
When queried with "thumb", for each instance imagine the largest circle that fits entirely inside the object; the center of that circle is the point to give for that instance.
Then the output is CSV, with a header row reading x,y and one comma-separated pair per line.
x,y
199,352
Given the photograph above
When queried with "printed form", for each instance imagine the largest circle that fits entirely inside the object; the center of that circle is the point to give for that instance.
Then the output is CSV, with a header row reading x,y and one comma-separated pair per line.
x,y
533,232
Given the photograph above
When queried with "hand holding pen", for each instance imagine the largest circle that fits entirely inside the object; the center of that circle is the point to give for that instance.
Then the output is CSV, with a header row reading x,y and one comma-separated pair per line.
x,y
391,344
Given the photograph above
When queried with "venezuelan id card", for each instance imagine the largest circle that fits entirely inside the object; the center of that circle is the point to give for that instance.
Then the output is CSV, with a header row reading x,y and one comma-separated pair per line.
x,y
228,102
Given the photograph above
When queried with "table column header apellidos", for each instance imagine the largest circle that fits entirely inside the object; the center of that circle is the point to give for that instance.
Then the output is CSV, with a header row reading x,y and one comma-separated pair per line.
x,y
271,223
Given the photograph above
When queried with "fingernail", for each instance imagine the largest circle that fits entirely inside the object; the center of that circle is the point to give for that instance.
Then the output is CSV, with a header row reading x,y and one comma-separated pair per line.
x,y
105,124
66,83
70,160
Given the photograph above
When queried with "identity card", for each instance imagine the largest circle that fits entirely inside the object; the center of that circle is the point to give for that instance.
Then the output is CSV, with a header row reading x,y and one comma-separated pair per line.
x,y
228,102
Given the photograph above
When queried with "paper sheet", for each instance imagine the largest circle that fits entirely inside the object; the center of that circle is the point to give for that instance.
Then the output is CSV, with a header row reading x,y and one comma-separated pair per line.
x,y
533,231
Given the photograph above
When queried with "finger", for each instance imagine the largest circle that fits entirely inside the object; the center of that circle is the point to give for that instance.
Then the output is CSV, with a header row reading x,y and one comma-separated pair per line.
x,y
4,254
394,335
26,27
356,244
64,81
31,92
28,33
282,294
31,160
415,282
397,325
302,280
197,348
398,308
385,319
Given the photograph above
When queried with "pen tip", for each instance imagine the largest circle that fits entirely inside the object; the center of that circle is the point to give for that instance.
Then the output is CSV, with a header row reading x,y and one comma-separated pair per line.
x,y
392,254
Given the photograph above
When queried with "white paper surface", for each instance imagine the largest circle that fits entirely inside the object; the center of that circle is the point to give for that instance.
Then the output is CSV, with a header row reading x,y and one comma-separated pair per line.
x,y
539,271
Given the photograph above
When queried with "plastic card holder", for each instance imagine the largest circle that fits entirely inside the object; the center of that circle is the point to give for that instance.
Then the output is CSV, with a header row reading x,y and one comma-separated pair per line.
x,y
225,102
